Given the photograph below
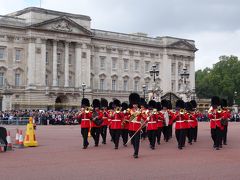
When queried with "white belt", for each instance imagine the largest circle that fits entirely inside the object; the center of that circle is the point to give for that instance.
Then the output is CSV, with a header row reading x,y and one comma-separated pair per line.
x,y
151,122
116,120
190,120
137,122
215,119
180,121
85,119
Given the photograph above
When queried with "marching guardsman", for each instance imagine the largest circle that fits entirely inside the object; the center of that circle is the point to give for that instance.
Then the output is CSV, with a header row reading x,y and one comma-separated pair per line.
x,y
152,123
116,122
110,112
181,124
225,119
196,114
171,117
84,116
135,122
190,122
160,122
215,115
97,120
104,106
125,123
143,106
166,117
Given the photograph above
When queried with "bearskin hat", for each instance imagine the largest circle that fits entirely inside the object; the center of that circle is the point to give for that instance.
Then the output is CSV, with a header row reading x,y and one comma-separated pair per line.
x,y
158,106
194,103
169,106
85,102
164,103
124,106
117,103
188,106
215,101
143,102
224,103
152,104
96,103
104,103
134,98
180,104
110,106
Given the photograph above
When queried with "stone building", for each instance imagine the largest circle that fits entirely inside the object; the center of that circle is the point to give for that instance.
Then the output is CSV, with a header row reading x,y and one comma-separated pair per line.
x,y
46,56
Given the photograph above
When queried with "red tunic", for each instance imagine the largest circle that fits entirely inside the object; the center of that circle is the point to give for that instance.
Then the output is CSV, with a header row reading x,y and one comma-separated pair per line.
x,y
215,119
135,120
152,124
105,118
85,119
180,120
116,120
126,120
100,116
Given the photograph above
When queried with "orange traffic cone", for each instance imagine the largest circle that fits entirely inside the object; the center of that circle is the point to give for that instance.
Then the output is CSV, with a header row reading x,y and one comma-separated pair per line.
x,y
17,137
9,141
20,145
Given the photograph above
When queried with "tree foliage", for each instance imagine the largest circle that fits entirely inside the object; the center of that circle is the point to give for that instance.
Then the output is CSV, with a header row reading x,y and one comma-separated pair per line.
x,y
222,80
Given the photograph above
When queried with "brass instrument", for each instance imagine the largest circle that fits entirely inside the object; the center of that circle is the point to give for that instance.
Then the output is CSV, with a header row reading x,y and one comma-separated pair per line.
x,y
182,111
154,111
219,110
118,109
88,109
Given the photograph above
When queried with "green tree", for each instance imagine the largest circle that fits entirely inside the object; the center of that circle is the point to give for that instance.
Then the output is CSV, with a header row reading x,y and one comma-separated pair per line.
x,y
221,80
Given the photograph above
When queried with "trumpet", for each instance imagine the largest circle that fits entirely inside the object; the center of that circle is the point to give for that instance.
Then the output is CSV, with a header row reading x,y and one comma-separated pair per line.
x,y
118,109
182,111
88,109
219,110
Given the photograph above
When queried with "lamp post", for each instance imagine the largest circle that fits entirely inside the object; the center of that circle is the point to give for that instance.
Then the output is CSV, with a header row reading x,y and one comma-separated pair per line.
x,y
235,96
154,72
144,91
83,88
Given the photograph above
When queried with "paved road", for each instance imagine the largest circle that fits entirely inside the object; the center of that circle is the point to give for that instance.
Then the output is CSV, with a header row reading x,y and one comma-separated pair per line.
x,y
60,156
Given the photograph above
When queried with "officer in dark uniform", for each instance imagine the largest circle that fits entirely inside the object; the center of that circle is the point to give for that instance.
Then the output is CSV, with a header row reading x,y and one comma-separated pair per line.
x,y
104,106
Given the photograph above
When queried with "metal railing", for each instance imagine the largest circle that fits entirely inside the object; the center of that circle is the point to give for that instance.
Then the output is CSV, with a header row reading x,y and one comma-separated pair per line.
x,y
14,120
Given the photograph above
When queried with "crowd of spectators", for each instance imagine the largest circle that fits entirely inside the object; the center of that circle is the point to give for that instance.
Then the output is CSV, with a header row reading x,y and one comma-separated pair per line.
x,y
40,117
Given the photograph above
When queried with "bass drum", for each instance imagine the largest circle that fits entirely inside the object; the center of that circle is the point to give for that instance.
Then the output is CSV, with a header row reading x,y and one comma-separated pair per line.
x,y
3,137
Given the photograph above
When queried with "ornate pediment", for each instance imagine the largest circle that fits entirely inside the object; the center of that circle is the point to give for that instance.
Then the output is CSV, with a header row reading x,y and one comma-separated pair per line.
x,y
183,44
62,24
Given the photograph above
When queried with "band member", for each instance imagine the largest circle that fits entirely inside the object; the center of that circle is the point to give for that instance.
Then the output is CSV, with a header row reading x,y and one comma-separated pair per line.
x,y
166,116
152,123
84,116
96,121
171,116
116,122
197,114
225,119
104,106
215,115
110,112
180,126
190,122
135,122
143,107
125,123
159,122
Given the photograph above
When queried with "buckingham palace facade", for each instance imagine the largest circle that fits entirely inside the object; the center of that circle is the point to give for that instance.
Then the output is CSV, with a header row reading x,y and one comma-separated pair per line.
x,y
46,56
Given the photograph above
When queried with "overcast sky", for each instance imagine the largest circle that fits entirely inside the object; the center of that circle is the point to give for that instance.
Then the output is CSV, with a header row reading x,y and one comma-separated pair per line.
x,y
213,24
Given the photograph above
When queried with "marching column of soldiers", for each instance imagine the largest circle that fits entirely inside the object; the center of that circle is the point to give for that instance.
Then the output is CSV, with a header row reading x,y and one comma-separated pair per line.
x,y
137,119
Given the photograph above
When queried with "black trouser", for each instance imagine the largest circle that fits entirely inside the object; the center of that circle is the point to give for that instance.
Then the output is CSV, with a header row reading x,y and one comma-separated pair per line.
x,y
158,135
225,134
195,132
144,133
216,137
181,136
152,137
190,132
115,136
104,133
125,135
84,132
135,141
166,133
170,130
110,132
95,133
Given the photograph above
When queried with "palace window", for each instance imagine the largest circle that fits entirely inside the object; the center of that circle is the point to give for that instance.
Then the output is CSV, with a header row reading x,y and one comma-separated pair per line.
x,y
84,54
70,59
136,66
147,66
101,84
46,80
2,53
47,58
114,85
18,55
1,78
125,64
58,58
136,85
17,79
125,85
114,63
102,63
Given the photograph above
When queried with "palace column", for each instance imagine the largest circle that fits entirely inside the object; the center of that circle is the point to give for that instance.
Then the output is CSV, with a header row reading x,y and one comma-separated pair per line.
x,y
78,60
54,83
66,67
31,62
